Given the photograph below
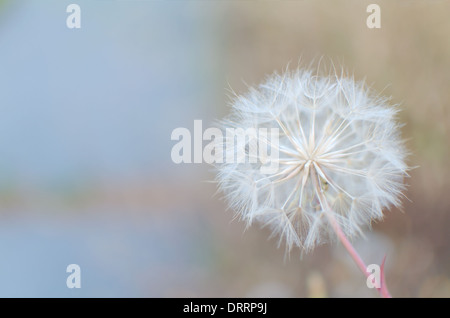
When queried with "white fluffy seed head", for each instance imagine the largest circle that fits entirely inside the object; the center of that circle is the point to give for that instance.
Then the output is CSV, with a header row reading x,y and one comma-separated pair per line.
x,y
338,142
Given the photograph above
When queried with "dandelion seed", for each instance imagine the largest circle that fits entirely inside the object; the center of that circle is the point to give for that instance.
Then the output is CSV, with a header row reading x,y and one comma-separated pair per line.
x,y
341,163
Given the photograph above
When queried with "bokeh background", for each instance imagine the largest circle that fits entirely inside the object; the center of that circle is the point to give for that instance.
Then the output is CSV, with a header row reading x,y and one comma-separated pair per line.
x,y
86,116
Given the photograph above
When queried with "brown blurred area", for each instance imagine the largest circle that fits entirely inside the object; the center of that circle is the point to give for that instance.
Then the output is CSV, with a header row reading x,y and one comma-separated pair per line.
x,y
408,59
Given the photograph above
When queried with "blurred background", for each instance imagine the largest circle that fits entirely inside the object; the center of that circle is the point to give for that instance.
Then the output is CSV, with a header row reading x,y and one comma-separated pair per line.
x,y
86,117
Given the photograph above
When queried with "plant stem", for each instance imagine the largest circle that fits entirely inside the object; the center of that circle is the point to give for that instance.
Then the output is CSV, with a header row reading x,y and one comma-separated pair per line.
x,y
384,292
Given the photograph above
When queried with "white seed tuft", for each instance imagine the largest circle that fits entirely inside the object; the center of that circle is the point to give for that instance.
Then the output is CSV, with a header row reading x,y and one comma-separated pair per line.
x,y
339,142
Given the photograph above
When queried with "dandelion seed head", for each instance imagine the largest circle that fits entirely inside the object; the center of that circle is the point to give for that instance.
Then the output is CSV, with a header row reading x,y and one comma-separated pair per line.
x,y
338,141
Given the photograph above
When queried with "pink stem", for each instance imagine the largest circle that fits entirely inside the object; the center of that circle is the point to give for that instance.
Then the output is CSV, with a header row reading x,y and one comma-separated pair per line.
x,y
384,292
351,250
